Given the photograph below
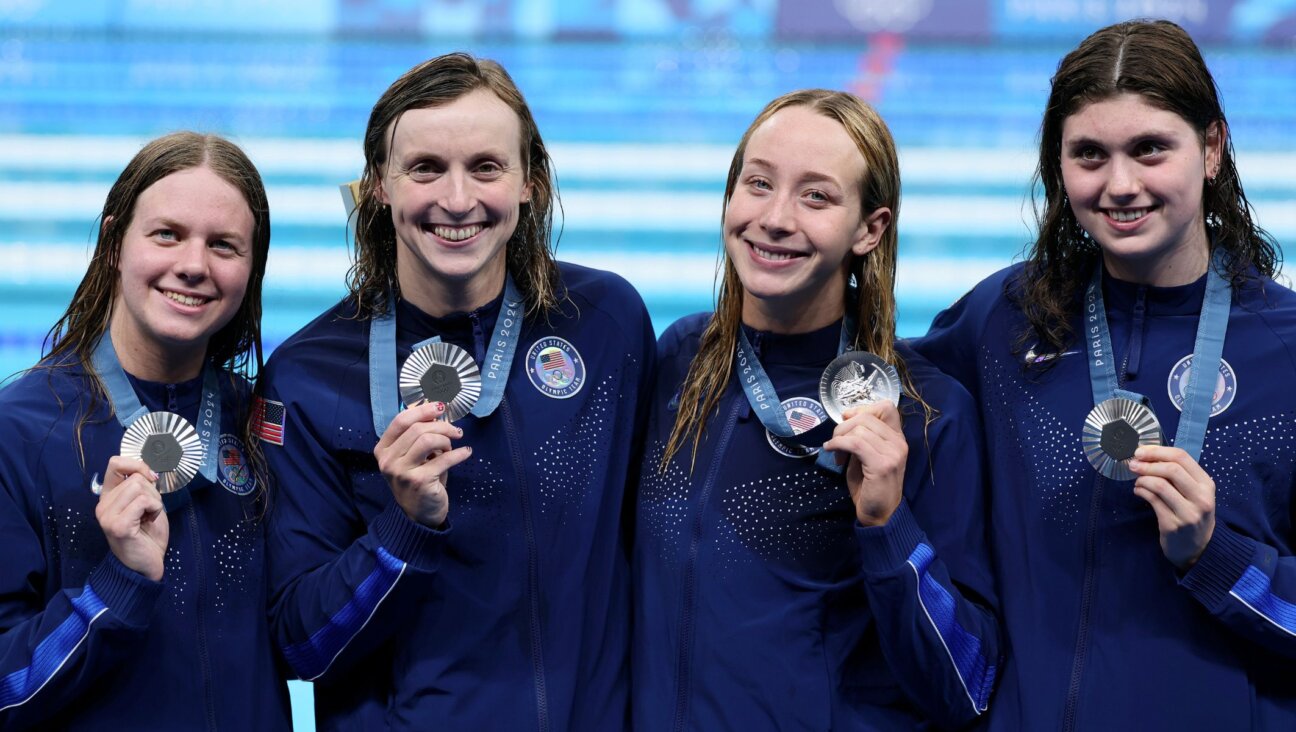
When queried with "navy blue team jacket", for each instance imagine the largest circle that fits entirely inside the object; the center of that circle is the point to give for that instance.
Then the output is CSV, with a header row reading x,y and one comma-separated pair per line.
x,y
762,604
516,615
90,644
1105,633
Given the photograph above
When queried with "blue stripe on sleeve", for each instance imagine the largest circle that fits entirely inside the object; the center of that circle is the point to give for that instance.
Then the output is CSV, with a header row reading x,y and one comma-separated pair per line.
x,y
313,656
1253,589
964,648
53,652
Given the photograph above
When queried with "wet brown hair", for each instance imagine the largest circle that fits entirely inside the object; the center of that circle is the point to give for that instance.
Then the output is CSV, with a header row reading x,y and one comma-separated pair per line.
x,y
529,252
1158,61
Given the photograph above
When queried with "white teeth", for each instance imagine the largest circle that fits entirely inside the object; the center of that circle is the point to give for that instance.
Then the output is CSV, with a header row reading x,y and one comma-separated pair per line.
x,y
772,256
185,299
1127,216
456,233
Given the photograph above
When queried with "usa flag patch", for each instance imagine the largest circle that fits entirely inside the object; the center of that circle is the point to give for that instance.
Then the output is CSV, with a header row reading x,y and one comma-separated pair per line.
x,y
268,421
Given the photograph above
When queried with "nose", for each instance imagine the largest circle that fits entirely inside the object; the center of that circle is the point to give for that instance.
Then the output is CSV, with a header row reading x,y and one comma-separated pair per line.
x,y
191,263
1123,182
457,197
776,218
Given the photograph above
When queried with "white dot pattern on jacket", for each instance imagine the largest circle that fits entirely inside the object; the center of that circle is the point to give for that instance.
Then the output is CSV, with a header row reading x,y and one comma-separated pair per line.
x,y
567,460
803,515
1049,448
663,498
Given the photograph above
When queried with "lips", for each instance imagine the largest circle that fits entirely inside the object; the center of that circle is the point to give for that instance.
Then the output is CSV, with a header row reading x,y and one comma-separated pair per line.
x,y
192,301
1126,215
773,255
454,233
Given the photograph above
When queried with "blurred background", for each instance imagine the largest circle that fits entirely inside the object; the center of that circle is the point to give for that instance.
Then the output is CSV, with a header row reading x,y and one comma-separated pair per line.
x,y
641,102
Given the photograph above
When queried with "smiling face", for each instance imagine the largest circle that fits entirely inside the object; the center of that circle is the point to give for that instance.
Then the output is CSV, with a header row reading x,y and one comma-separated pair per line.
x,y
455,180
795,220
1134,174
185,261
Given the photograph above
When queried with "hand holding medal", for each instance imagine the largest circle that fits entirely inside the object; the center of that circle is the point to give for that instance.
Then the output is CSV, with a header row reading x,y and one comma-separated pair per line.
x,y
132,516
439,383
415,456
1182,495
861,393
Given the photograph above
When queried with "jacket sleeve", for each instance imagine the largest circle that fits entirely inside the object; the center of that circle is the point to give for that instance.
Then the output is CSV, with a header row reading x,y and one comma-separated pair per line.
x,y
956,333
340,587
927,572
1248,586
52,649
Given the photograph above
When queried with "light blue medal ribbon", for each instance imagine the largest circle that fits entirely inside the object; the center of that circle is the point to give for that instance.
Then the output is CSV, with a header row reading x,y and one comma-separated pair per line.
x,y
1207,350
767,406
127,407
384,396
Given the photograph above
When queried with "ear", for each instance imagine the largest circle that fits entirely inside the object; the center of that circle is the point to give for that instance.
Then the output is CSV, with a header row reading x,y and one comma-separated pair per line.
x,y
103,226
1216,133
870,231
380,190
526,192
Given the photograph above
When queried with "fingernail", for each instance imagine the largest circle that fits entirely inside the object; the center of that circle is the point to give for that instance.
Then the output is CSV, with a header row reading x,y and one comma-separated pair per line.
x,y
1140,452
155,476
439,406
459,431
469,448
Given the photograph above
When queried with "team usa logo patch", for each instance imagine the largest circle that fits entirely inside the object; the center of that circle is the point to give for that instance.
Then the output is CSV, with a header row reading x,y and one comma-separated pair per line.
x,y
803,414
1225,385
555,367
232,470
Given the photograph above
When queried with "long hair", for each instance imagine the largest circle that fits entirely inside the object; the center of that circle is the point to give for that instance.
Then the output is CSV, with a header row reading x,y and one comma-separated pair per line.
x,y
1158,61
237,346
873,273
529,252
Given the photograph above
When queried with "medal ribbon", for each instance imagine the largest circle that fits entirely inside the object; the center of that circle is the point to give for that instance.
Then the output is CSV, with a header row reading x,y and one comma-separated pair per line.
x,y
126,404
384,396
1207,350
767,406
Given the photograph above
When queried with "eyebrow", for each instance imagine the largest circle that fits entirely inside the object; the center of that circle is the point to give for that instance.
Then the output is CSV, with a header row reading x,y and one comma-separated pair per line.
x,y
1144,135
418,153
809,177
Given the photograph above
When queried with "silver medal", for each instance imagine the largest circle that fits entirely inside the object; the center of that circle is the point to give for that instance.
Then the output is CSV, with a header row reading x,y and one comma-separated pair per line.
x,y
1113,431
855,379
168,444
441,372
